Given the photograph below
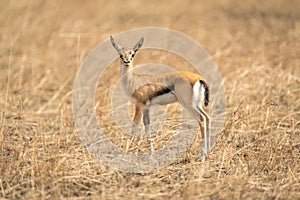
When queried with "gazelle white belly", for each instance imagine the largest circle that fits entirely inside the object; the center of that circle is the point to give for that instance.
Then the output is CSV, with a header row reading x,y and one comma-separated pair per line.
x,y
164,99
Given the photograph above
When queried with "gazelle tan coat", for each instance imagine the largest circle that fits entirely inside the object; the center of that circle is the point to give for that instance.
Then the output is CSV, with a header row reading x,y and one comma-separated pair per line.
x,y
189,89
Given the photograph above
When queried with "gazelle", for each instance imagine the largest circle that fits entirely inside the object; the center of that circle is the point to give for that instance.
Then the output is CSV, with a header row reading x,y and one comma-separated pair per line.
x,y
189,89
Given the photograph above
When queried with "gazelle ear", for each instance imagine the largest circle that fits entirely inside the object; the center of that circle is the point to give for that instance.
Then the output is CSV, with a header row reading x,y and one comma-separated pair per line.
x,y
115,45
138,45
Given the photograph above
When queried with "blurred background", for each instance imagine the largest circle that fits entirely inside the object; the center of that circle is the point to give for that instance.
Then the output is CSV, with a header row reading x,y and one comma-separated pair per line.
x,y
255,45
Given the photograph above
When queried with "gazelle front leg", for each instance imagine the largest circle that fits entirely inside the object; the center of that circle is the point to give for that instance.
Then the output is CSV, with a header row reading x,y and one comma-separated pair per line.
x,y
146,120
135,125
136,119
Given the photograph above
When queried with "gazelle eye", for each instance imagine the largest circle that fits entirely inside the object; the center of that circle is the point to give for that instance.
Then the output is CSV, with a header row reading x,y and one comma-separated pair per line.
x,y
133,55
121,56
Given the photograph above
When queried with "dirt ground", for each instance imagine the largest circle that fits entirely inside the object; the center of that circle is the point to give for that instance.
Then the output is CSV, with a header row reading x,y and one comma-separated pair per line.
x,y
256,46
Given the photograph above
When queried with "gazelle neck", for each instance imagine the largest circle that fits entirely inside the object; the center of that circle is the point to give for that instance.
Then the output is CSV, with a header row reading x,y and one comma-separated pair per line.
x,y
127,71
127,79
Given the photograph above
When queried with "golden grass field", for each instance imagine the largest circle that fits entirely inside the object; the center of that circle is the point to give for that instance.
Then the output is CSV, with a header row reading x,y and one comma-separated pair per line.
x,y
256,46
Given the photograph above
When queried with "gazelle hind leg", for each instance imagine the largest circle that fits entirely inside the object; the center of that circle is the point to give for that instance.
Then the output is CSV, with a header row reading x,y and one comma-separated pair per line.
x,y
206,126
198,97
205,130
190,97
184,93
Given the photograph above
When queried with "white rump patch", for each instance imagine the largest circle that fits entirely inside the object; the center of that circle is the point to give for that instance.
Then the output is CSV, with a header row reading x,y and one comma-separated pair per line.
x,y
198,93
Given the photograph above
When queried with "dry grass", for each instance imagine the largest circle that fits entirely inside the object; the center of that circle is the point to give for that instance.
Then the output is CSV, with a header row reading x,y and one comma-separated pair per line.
x,y
256,46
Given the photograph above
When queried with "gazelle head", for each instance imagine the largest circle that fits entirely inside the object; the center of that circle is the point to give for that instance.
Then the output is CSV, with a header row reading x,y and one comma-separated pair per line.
x,y
127,54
